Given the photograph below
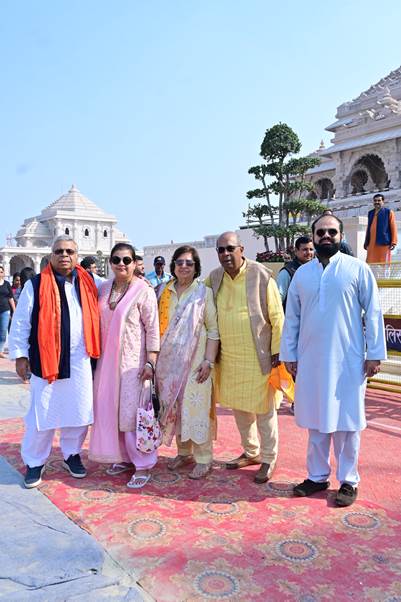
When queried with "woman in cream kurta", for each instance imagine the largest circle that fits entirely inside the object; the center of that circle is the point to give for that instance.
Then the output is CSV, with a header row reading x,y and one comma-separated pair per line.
x,y
193,424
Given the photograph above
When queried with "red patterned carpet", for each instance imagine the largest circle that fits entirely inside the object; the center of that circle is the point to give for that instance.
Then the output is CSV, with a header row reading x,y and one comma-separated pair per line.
x,y
226,538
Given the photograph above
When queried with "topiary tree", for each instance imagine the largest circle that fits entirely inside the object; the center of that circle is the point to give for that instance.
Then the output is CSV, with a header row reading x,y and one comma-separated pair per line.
x,y
283,193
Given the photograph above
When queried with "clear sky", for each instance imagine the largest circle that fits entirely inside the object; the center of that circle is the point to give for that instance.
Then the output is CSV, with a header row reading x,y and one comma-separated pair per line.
x,y
156,109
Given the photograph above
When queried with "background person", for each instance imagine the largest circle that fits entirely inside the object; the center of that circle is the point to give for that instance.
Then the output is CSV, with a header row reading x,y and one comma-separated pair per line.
x,y
140,267
158,276
89,264
16,286
7,305
54,333
130,343
304,252
325,346
381,232
190,341
25,275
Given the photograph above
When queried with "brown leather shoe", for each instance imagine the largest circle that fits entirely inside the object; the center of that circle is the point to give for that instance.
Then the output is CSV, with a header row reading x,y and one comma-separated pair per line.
x,y
179,461
242,461
262,475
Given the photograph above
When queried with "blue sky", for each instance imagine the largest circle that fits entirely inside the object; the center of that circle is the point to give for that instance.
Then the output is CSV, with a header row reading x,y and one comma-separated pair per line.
x,y
156,109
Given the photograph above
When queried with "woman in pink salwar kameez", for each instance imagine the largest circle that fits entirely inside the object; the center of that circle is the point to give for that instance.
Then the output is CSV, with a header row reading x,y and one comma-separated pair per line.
x,y
130,343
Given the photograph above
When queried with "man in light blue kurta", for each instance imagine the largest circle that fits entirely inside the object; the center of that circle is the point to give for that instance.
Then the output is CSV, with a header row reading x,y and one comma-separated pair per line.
x,y
325,345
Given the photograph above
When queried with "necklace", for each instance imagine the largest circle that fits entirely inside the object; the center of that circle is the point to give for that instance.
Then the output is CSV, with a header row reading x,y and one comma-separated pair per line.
x,y
115,295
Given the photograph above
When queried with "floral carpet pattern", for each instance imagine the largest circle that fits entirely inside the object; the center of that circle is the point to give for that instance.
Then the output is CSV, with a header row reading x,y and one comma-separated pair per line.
x,y
225,538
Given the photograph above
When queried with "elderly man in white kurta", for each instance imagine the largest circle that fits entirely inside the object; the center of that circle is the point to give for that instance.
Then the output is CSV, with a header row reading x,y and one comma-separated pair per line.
x,y
54,333
326,346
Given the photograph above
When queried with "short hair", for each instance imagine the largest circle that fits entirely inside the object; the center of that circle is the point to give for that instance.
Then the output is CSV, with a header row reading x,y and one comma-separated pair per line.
x,y
88,261
139,258
63,237
379,195
340,224
302,240
195,257
26,274
123,245
230,233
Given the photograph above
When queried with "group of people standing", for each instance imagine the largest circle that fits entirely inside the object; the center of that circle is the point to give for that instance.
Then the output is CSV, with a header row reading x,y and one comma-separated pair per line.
x,y
199,343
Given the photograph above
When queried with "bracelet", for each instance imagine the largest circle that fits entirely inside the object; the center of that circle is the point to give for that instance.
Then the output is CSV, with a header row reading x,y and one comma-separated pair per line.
x,y
211,364
149,363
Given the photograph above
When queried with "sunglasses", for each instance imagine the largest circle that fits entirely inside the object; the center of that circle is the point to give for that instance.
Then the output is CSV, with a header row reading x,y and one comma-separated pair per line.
x,y
62,251
181,262
115,260
228,248
322,231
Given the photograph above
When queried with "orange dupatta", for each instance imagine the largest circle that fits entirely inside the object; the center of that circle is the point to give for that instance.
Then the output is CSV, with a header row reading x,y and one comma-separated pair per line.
x,y
281,380
49,325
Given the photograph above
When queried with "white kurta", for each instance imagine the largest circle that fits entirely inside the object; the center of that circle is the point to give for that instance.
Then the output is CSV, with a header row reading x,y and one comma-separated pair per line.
x,y
323,332
66,402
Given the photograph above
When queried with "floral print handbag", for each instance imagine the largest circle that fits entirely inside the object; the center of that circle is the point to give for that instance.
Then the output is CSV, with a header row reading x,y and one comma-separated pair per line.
x,y
148,433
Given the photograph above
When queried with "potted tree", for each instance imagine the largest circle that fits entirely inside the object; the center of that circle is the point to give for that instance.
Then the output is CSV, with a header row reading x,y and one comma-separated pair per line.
x,y
283,209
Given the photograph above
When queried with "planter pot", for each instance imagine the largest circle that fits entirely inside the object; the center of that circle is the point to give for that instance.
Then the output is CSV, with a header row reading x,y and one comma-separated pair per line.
x,y
274,266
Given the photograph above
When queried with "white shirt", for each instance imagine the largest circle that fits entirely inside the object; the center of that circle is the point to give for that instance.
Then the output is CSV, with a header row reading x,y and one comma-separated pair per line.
x,y
323,332
66,402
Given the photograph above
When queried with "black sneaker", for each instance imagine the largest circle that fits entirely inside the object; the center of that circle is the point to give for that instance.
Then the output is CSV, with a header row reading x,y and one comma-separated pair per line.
x,y
33,476
346,495
309,487
74,466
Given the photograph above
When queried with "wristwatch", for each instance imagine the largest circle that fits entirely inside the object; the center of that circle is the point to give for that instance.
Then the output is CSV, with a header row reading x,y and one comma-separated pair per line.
x,y
211,364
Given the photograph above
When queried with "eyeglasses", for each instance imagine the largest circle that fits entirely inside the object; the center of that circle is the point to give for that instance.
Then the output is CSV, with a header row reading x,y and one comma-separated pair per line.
x,y
62,251
322,231
181,262
228,248
115,260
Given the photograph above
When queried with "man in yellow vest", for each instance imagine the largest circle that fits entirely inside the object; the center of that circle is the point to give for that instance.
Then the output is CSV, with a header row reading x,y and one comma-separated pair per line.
x,y
250,319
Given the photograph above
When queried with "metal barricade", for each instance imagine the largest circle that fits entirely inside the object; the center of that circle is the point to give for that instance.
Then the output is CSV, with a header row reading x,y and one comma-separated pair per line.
x,y
388,277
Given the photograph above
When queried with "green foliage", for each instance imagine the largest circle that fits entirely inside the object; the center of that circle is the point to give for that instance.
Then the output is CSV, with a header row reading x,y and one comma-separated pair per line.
x,y
283,194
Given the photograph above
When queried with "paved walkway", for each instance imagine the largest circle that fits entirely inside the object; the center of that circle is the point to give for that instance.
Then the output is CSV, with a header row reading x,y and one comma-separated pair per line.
x,y
44,555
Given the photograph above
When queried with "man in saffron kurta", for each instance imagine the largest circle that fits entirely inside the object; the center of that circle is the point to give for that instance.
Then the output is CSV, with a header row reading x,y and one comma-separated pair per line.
x,y
381,233
331,351
250,320
54,333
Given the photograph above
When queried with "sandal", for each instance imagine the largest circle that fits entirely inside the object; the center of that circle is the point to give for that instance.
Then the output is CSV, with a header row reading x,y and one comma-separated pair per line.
x,y
200,471
179,461
119,467
138,481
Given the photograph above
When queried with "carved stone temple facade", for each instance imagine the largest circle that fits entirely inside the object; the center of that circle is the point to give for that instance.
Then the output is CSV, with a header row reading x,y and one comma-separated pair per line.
x,y
93,229
365,155
364,158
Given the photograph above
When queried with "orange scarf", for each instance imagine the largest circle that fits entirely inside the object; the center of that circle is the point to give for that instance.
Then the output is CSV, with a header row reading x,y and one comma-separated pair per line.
x,y
49,326
281,380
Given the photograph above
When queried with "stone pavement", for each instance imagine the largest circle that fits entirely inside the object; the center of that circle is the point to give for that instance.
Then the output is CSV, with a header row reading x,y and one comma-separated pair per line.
x,y
44,555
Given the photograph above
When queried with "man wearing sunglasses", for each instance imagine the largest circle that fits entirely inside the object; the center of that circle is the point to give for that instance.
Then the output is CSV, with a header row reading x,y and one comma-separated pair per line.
x,y
54,334
331,351
158,276
250,318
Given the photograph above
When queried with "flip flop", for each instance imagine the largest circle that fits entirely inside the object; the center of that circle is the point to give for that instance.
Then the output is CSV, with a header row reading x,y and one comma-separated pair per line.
x,y
138,481
119,468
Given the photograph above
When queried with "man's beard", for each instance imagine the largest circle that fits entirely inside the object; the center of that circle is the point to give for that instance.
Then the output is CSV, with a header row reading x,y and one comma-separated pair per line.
x,y
327,250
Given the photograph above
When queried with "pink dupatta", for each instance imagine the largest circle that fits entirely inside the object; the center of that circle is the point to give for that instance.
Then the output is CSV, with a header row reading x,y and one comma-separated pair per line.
x,y
105,436
177,350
